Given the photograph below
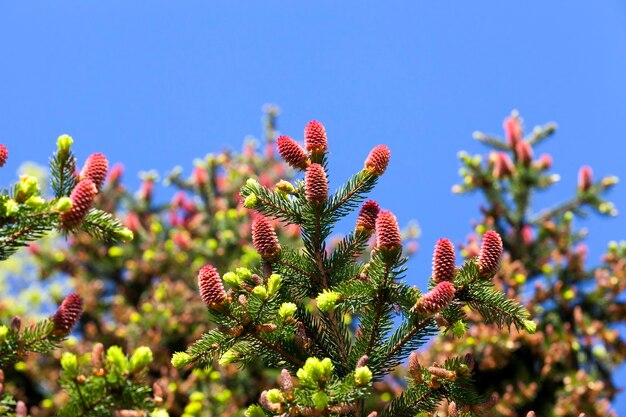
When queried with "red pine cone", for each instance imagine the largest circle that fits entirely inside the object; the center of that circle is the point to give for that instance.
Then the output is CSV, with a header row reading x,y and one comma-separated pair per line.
x,y
316,185
444,265
366,221
292,152
377,160
512,130
524,152
315,139
210,285
264,239
490,253
95,169
67,314
4,155
387,231
82,198
436,299
584,178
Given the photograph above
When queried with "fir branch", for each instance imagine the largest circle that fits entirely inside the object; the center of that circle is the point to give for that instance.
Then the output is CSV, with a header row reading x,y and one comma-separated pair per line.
x,y
272,204
492,142
494,306
102,226
347,198
62,169
408,337
417,398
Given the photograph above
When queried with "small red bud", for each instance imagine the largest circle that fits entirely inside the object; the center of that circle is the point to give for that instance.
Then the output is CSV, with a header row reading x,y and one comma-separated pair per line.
x,y
490,253
316,185
82,197
95,169
292,152
444,266
584,178
366,221
436,299
210,285
524,152
513,130
315,139
264,239
68,314
387,231
377,160
502,165
116,173
4,155
545,161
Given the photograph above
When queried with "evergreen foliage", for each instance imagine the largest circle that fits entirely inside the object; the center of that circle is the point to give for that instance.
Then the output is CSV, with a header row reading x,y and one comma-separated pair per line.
x,y
326,315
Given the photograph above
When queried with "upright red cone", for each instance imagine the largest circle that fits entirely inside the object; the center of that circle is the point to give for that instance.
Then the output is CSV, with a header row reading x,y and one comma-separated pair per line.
x,y
490,253
68,314
387,231
264,239
315,139
444,263
82,197
95,169
4,155
366,221
377,160
436,299
211,286
584,178
292,152
316,185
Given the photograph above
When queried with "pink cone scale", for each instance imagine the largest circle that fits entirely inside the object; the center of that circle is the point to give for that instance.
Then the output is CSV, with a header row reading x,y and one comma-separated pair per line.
x,y
264,239
387,231
315,139
292,152
68,314
211,286
82,197
95,169
444,263
377,160
490,253
436,299
316,185
366,221
584,178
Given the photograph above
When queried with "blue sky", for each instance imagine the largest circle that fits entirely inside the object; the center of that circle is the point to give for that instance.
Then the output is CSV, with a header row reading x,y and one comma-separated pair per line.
x,y
157,84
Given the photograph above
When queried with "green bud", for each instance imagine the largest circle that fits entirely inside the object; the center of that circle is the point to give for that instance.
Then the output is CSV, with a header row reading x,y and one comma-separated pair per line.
x,y
315,372
232,279
273,284
459,328
244,273
251,182
196,396
69,363
287,310
141,357
286,187
180,359
116,357
35,202
159,412
260,292
255,410
326,300
28,187
124,234
228,357
362,375
274,396
193,408
250,201
4,330
63,205
530,326
11,207
64,142
320,399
